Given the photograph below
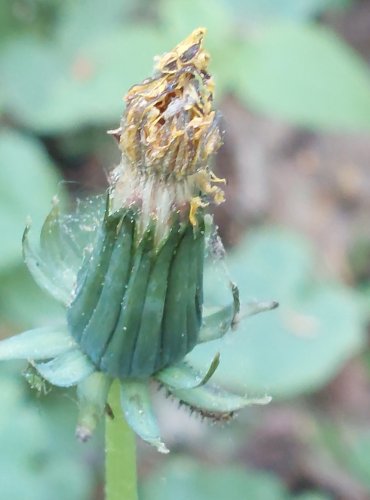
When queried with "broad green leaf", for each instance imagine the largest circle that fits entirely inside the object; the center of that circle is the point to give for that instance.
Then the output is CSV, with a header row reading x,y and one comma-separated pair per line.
x,y
80,77
275,261
297,10
358,456
25,16
101,72
30,69
182,17
52,89
312,495
184,480
293,349
307,75
75,22
28,181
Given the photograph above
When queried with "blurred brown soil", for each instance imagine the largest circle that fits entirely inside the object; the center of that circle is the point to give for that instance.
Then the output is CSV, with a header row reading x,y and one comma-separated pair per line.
x,y
315,183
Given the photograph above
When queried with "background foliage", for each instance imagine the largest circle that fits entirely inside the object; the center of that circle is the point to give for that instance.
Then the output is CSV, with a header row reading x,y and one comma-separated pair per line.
x,y
285,76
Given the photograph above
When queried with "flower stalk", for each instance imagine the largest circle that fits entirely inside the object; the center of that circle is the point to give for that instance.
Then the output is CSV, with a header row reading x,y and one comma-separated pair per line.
x,y
120,452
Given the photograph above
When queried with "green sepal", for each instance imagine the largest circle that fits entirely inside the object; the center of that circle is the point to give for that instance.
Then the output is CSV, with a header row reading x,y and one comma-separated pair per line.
x,y
174,329
194,307
67,369
138,411
117,358
92,394
183,376
37,344
212,399
101,325
91,276
255,307
57,248
148,342
215,325
42,272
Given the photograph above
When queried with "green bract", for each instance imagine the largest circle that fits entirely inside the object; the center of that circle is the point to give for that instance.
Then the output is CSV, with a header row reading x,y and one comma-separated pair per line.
x,y
135,311
131,274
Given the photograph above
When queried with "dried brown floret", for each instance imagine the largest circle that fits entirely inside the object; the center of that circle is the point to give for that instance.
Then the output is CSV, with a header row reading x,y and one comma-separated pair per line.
x,y
170,130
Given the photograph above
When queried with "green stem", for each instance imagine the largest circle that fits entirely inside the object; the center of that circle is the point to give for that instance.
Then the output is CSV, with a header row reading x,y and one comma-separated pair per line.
x,y
120,453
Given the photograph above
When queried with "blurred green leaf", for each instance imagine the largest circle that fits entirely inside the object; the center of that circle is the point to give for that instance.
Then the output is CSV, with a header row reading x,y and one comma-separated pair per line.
x,y
312,495
302,73
100,73
78,78
22,16
30,70
184,480
182,17
28,181
296,348
23,304
38,461
357,454
305,74
52,90
82,21
297,10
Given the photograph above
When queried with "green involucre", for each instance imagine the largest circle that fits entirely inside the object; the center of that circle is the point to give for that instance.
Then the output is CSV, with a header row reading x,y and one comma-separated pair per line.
x,y
137,307
134,312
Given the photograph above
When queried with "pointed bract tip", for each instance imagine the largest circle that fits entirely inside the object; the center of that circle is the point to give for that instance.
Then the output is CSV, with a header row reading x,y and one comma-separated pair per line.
x,y
83,433
264,400
161,447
